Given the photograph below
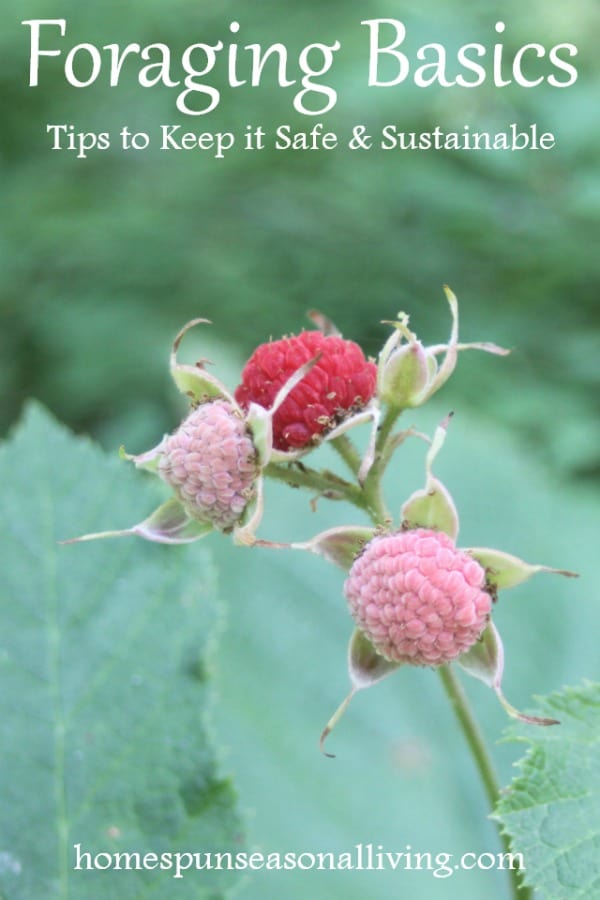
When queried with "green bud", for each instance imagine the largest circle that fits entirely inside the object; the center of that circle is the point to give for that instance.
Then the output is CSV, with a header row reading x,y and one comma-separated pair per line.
x,y
405,376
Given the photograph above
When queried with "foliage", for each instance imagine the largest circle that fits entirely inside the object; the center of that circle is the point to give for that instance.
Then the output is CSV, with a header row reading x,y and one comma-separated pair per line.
x,y
552,808
101,257
106,664
281,668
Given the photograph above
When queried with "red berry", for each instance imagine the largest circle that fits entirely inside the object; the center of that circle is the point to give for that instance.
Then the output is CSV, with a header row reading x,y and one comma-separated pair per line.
x,y
341,382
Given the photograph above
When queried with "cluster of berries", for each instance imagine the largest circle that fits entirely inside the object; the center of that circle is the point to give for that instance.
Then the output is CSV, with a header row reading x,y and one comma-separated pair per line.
x,y
415,597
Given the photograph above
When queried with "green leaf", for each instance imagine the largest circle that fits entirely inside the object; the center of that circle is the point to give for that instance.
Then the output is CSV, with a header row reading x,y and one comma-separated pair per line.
x,y
552,809
104,670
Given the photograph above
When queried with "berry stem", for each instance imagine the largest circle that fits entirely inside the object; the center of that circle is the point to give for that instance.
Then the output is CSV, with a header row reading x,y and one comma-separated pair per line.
x,y
324,483
482,759
387,423
372,486
348,452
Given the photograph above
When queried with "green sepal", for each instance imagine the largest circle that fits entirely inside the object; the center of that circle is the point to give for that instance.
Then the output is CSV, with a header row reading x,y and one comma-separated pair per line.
x,y
366,667
432,507
260,423
244,533
172,524
149,460
169,524
505,571
485,661
194,381
448,364
339,545
198,385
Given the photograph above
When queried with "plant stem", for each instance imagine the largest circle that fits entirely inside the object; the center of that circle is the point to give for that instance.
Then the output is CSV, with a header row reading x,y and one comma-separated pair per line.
x,y
348,452
323,483
482,759
372,486
387,423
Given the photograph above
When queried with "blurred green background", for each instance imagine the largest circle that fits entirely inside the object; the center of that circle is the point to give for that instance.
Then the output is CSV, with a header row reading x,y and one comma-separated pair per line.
x,y
104,258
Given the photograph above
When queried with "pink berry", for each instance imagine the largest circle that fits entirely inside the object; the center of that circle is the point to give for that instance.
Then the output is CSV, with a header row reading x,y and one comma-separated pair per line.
x,y
211,463
417,598
341,382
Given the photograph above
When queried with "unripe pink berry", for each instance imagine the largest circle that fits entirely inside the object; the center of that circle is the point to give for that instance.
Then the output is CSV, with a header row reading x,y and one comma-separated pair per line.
x,y
417,598
211,463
